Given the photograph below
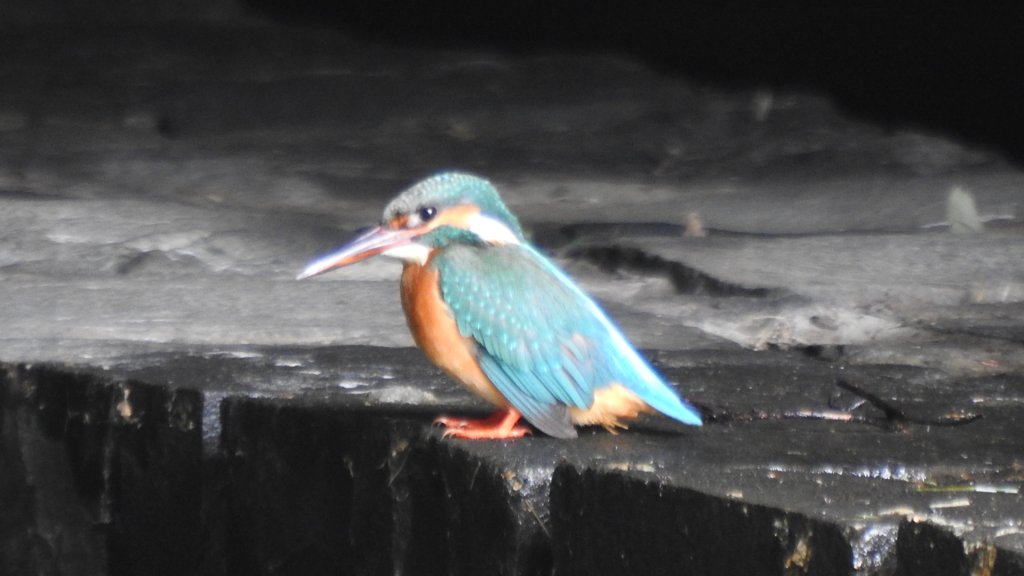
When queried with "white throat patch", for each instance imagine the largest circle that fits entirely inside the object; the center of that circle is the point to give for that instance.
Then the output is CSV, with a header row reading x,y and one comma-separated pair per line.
x,y
412,253
491,231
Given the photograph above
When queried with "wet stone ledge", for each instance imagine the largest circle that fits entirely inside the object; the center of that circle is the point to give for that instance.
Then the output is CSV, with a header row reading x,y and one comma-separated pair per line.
x,y
323,461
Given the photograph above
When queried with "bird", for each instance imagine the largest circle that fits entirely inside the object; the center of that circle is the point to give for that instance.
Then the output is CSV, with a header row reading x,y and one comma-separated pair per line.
x,y
502,319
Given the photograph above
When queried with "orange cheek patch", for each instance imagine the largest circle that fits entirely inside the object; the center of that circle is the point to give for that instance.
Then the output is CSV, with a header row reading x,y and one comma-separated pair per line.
x,y
457,216
398,222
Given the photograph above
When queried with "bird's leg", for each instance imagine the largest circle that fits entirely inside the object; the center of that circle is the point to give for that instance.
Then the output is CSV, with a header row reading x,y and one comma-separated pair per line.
x,y
501,424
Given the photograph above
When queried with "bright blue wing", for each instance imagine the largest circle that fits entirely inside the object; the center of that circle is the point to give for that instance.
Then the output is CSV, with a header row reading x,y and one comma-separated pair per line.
x,y
543,343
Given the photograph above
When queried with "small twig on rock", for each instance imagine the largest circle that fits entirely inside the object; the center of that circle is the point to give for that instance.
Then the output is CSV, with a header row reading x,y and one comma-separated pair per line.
x,y
894,416
897,417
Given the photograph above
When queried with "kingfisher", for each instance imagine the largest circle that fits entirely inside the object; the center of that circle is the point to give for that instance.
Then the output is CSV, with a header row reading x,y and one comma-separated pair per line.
x,y
500,318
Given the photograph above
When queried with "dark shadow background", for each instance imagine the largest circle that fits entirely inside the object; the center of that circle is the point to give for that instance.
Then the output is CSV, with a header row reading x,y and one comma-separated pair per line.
x,y
954,68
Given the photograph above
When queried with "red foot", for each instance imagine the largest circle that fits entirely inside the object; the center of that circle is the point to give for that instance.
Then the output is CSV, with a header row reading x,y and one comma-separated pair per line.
x,y
497,426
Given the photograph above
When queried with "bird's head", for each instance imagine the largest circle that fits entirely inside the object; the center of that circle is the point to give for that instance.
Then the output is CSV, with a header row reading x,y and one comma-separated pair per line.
x,y
447,208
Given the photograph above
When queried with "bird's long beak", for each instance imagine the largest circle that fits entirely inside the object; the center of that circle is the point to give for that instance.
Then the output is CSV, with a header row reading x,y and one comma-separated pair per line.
x,y
365,245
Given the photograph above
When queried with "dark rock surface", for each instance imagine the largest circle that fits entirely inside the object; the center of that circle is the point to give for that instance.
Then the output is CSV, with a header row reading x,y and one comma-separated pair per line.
x,y
804,465
173,402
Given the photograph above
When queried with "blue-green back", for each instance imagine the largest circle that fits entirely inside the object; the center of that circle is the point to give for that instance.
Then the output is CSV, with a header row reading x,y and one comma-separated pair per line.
x,y
543,343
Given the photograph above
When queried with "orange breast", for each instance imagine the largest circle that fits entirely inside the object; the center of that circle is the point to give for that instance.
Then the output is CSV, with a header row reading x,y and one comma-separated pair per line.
x,y
436,333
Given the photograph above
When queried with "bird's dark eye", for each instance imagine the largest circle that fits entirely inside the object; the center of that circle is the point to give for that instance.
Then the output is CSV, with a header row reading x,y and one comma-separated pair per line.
x,y
427,213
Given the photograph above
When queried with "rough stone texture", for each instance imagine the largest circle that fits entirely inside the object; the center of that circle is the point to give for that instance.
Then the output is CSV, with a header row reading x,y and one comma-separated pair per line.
x,y
340,472
308,490
104,475
174,402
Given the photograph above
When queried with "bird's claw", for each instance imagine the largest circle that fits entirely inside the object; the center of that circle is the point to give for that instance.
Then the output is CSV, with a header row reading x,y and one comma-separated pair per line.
x,y
499,426
471,433
451,423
